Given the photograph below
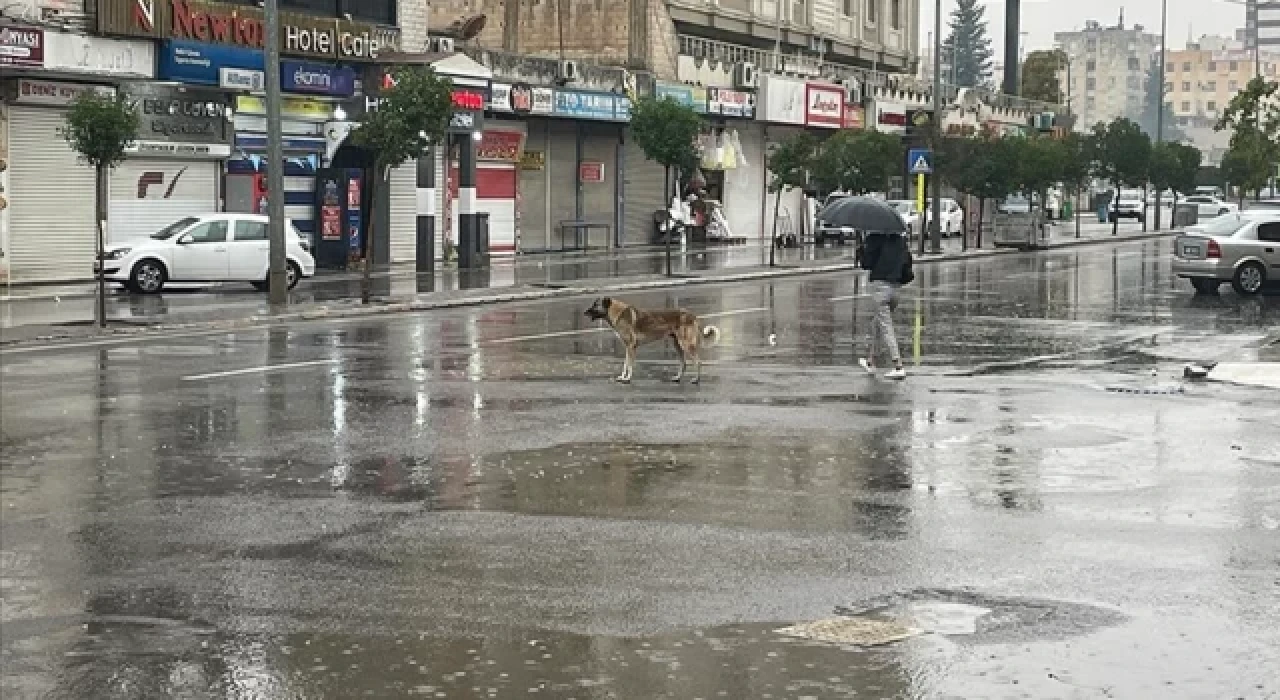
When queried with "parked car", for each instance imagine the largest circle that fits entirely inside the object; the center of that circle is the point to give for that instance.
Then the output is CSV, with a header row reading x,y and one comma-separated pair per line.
x,y
1208,191
1242,249
1209,206
952,216
1015,204
907,210
1130,206
208,248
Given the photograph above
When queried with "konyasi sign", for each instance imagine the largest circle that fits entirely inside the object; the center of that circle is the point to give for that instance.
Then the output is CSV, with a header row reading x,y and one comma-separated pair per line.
x,y
236,25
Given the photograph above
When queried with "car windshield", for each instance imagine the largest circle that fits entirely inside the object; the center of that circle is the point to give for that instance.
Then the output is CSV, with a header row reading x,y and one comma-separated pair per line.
x,y
1225,225
168,231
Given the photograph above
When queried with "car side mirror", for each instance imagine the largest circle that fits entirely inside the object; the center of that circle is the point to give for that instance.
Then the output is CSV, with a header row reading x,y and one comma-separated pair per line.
x,y
185,239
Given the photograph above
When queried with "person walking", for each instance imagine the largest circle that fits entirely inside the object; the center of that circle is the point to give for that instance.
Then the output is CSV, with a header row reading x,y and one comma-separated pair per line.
x,y
889,260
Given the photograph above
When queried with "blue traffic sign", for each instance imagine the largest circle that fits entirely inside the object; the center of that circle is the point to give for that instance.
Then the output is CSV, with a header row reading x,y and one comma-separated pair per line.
x,y
920,161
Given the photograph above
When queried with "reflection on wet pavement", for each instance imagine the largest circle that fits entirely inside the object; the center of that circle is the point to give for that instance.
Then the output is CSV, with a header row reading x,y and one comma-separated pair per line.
x,y
414,510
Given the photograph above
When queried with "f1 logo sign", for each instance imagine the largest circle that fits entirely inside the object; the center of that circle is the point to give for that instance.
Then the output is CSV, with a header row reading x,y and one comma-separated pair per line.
x,y
144,14
155,177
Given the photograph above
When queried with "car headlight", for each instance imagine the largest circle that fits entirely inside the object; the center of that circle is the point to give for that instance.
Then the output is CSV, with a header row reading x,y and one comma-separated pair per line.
x,y
117,254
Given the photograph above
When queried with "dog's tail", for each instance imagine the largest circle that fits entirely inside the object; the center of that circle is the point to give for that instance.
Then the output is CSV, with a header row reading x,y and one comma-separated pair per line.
x,y
711,332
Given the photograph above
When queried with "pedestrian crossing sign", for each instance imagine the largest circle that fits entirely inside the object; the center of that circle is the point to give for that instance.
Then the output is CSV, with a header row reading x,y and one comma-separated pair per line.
x,y
920,161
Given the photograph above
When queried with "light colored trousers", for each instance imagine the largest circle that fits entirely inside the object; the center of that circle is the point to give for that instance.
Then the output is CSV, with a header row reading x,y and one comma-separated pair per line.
x,y
885,295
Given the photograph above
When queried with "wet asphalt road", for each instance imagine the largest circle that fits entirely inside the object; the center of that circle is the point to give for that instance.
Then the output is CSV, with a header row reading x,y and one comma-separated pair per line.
x,y
463,505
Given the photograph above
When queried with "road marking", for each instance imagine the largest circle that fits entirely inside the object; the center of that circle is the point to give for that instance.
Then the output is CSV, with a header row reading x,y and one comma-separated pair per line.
x,y
584,331
256,370
848,297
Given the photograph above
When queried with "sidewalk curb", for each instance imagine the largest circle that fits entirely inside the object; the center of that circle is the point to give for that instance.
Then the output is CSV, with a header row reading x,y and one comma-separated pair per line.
x,y
356,310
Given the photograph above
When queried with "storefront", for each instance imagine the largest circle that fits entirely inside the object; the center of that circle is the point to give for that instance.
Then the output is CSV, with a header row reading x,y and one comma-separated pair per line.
x,y
46,235
789,106
733,160
890,117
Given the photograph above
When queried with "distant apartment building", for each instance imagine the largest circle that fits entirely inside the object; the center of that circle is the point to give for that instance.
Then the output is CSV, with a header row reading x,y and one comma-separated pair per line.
x,y
1109,66
1200,81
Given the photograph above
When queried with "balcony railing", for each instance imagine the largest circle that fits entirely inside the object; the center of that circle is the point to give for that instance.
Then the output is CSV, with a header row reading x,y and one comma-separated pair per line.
x,y
814,67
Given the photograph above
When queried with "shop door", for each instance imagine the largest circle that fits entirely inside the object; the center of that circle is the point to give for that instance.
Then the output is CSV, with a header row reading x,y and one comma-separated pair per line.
x,y
642,183
51,231
495,195
148,194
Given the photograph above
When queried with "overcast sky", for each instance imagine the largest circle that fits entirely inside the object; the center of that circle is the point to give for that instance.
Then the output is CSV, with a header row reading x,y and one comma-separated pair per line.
x,y
1041,18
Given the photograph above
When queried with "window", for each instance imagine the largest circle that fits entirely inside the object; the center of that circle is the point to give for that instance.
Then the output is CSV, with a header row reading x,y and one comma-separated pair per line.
x,y
1168,88
1233,86
1090,65
1091,45
1211,106
1170,67
895,17
1234,66
1090,103
1186,86
1091,83
1186,106
871,11
1211,86
850,8
1213,66
209,232
251,230
1186,67
1269,231
1111,82
1134,63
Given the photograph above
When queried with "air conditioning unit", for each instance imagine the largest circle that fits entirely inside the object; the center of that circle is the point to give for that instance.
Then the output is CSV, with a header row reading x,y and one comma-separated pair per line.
x,y
852,91
442,44
568,72
745,76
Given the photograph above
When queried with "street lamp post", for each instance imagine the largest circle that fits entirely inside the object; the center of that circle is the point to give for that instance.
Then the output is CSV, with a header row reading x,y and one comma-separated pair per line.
x,y
935,232
277,286
1164,16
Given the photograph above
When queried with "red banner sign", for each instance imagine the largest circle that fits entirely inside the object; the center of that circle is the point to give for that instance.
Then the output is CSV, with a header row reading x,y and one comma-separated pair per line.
x,y
591,171
500,144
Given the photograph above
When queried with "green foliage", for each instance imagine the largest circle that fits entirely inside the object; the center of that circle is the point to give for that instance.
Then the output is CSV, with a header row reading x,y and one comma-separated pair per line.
x,y
1147,120
99,126
1040,76
789,163
1122,153
1254,118
667,132
1253,108
411,117
1078,149
1039,164
1248,164
982,167
968,45
856,161
1174,166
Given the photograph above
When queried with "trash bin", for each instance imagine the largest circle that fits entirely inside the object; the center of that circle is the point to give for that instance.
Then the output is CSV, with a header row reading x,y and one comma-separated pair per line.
x,y
1186,214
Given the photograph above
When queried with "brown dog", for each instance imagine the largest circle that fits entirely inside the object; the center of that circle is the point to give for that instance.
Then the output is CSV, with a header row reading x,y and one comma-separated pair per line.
x,y
635,328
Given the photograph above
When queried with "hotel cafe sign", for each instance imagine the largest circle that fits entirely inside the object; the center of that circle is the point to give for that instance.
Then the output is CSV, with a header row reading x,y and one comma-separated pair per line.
x,y
245,27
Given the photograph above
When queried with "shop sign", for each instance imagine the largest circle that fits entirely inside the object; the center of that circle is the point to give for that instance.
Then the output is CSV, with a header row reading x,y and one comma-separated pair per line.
x,y
201,64
855,117
962,129
584,105
591,171
244,26
241,79
781,100
533,160
891,118
184,117
500,144
22,46
731,103
824,105
52,93
77,53
333,81
297,108
686,95
173,149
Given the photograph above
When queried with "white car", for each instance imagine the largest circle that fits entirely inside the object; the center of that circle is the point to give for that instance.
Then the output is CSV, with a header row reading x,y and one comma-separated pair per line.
x,y
1209,207
1131,205
952,216
208,248
907,210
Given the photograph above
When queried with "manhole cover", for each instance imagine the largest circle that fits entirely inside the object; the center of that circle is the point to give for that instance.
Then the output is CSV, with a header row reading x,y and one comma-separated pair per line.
x,y
851,630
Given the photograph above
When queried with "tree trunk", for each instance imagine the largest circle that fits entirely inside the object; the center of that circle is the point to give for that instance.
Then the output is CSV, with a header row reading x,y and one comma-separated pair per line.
x,y
366,276
1075,209
100,234
773,240
982,214
671,224
1115,218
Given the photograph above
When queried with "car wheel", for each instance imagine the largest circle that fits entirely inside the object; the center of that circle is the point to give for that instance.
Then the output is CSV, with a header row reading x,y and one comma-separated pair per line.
x,y
292,275
1249,278
1205,286
147,277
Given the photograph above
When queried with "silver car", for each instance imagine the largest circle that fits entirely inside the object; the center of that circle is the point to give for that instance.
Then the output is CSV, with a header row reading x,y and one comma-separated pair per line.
x,y
1243,249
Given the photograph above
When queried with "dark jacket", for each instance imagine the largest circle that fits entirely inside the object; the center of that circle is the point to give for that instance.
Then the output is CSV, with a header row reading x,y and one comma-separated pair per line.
x,y
888,259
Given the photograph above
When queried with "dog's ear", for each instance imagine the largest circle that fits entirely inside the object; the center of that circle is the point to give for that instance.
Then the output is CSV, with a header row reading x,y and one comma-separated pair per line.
x,y
605,302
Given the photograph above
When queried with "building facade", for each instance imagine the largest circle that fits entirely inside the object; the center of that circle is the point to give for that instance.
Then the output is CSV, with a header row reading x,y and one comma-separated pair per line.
x,y
1109,70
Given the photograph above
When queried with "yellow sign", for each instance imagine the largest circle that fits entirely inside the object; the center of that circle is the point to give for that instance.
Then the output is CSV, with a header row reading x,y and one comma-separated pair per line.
x,y
290,108
920,201
533,160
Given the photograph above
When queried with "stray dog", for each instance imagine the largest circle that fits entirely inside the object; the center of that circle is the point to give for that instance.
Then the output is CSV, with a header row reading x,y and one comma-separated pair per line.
x,y
635,328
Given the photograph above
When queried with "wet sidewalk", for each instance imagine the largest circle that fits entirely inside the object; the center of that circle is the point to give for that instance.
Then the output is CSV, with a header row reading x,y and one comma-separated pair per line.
x,y
47,312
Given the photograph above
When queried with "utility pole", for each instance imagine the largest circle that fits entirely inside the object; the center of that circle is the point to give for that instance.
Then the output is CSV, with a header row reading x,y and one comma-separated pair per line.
x,y
935,232
278,293
1164,17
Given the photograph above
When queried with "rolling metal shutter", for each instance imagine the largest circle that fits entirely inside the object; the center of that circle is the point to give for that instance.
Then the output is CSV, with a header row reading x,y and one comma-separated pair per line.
x,y
641,194
403,216
562,169
51,229
148,194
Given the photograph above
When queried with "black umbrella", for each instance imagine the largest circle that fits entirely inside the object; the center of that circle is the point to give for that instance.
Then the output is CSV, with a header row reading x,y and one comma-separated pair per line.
x,y
862,214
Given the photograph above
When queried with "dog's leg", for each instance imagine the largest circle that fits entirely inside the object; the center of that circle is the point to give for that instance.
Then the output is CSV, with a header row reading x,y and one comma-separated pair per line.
x,y
628,364
679,374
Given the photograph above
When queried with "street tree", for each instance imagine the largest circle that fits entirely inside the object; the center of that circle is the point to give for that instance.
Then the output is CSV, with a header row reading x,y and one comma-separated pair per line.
x,y
981,168
1254,120
100,126
667,132
1040,76
1078,153
411,117
1173,167
968,45
1039,166
1248,162
1122,153
1155,84
788,165
856,162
